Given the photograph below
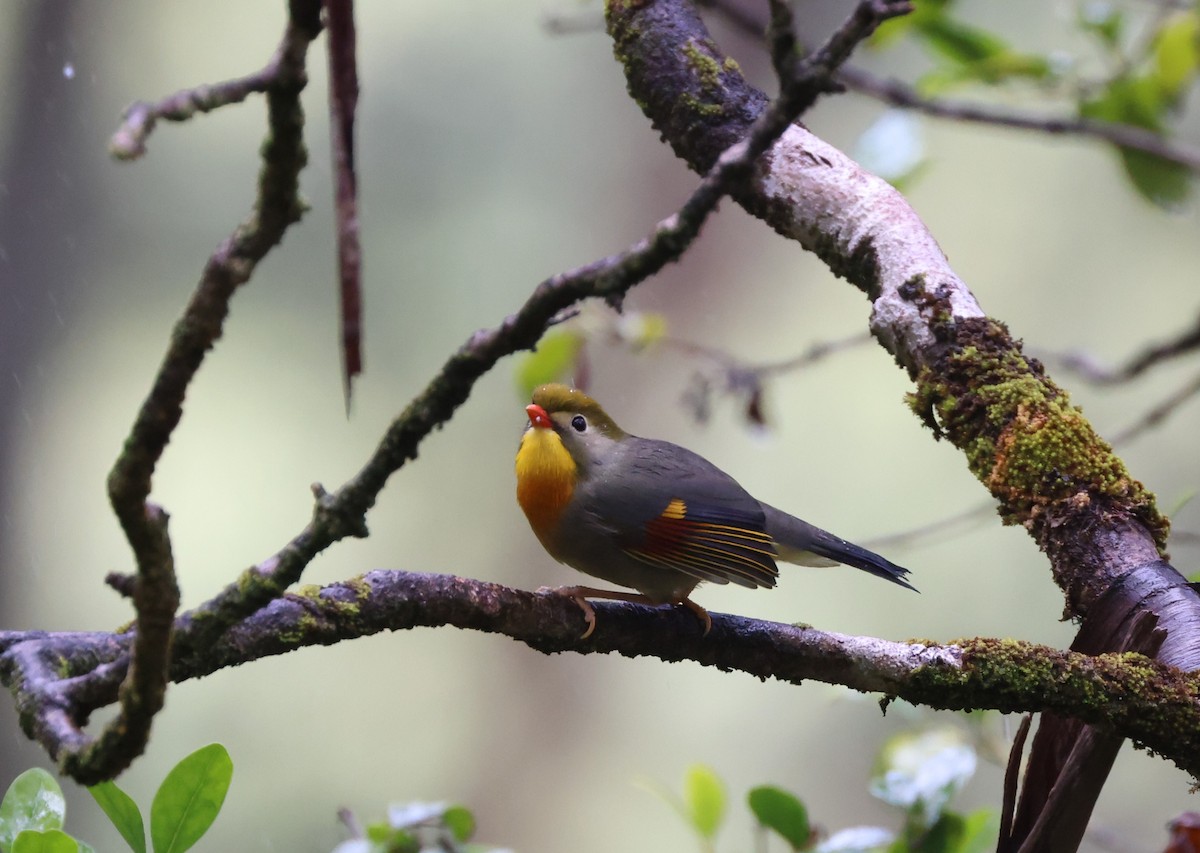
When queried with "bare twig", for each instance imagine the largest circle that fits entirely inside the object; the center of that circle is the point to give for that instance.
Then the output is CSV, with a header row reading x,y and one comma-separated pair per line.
x,y
1157,414
154,590
902,95
1091,369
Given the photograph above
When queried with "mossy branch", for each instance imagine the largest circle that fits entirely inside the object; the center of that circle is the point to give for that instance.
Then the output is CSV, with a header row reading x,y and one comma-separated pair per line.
x,y
1155,705
1034,451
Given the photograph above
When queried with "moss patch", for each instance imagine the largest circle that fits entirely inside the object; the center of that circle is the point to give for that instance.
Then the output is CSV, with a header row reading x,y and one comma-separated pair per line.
x,y
1021,435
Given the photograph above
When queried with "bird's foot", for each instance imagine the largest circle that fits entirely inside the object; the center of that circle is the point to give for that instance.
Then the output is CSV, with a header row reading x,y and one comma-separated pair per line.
x,y
581,594
576,594
701,614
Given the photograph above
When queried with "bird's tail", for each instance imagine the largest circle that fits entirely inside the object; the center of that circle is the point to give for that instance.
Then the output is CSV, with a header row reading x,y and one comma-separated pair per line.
x,y
799,542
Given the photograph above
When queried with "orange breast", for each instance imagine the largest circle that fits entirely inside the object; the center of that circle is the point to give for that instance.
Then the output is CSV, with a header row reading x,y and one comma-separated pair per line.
x,y
545,481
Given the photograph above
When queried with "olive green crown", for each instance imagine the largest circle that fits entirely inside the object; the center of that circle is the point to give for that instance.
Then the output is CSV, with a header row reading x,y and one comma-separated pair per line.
x,y
559,398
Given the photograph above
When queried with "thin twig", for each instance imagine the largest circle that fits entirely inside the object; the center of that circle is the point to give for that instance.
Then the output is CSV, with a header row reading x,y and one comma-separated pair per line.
x,y
904,96
1090,368
1157,414
155,590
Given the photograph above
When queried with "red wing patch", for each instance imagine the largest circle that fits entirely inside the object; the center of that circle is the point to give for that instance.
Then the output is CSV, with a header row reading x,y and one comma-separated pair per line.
x,y
710,544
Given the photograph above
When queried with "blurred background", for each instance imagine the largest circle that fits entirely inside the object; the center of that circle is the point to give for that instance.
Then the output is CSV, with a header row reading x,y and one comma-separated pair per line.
x,y
493,153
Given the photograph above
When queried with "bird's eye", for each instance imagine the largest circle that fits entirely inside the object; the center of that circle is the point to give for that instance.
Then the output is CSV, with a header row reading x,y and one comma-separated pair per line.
x,y
578,423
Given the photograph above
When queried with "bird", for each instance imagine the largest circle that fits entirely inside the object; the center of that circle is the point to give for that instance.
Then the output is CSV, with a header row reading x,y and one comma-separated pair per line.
x,y
652,516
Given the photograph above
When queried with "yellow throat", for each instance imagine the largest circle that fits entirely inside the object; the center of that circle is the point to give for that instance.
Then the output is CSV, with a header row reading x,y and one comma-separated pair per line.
x,y
545,481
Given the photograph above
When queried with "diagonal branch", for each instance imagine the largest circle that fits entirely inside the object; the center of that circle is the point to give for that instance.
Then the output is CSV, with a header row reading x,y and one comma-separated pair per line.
x,y
342,513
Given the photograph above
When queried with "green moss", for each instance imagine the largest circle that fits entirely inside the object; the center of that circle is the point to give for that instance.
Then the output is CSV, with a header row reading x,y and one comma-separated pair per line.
x,y
329,601
696,106
706,66
304,626
1020,433
730,65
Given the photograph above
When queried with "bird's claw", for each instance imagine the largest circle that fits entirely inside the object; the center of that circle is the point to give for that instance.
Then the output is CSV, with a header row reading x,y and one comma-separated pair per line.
x,y
589,614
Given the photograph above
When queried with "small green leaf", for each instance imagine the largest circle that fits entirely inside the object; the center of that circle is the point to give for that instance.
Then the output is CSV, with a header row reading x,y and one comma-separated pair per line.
x,y
704,796
778,810
1103,20
50,841
189,799
1140,101
123,812
945,836
552,360
641,329
1163,183
959,42
980,831
893,29
33,801
1177,52
460,822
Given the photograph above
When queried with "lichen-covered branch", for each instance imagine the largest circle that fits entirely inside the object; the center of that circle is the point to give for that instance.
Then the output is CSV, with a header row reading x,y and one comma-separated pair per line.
x,y
1130,694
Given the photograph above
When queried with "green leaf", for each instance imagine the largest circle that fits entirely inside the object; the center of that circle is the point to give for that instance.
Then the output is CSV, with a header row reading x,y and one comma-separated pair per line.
x,y
1163,183
980,831
84,847
704,796
553,360
959,42
33,801
641,329
893,29
1103,20
1177,52
778,810
1140,101
50,841
460,822
189,799
945,836
123,812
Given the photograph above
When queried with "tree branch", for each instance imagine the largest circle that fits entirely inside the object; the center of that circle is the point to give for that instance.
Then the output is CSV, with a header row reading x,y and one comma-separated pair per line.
x,y
902,95
1039,458
154,590
1139,698
342,513
1024,440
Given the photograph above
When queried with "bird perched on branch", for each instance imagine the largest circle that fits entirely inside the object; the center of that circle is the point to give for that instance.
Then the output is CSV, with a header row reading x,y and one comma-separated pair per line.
x,y
653,516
